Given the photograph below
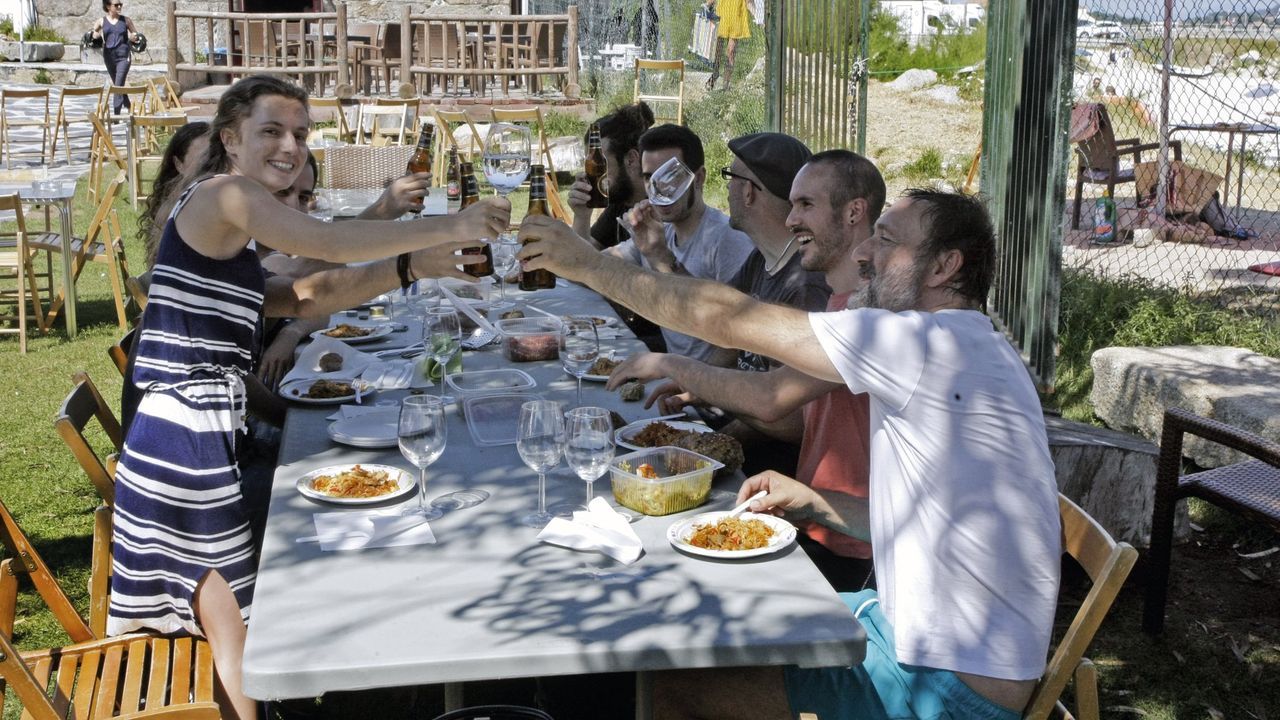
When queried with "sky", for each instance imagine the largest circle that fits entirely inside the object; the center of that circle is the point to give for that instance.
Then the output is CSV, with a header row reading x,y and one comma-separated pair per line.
x,y
1182,9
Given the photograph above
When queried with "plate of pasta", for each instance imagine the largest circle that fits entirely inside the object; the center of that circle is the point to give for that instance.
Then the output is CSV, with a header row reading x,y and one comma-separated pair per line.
x,y
359,484
715,535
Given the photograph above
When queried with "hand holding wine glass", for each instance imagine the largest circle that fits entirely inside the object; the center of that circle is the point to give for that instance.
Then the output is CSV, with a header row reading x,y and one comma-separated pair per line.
x,y
579,348
506,157
422,434
540,442
442,336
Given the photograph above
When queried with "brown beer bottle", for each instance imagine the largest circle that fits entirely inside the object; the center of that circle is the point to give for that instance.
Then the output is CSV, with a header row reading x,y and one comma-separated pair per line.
x,y
596,166
470,196
454,181
537,279
420,160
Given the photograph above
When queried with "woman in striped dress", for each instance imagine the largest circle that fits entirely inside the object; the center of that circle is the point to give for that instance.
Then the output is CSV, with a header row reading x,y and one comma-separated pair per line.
x,y
183,558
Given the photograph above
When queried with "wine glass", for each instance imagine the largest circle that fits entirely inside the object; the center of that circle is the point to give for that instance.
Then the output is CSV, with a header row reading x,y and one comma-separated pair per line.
x,y
504,263
321,207
422,433
669,183
442,336
507,151
540,440
589,444
579,348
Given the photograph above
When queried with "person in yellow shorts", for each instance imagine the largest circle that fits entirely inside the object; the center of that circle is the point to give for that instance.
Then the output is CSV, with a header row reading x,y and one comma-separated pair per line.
x,y
735,25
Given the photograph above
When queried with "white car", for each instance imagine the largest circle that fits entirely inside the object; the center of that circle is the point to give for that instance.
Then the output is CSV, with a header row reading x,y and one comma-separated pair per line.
x,y
1103,29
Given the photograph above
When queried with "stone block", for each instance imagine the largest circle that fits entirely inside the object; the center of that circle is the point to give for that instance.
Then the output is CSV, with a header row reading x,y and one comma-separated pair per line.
x,y
31,51
1133,386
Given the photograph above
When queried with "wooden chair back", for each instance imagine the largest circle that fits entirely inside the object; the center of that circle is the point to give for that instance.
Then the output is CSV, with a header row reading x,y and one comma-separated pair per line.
x,y
119,352
137,291
12,102
144,148
643,70
449,121
24,560
388,121
82,404
532,117
365,166
75,105
138,96
16,265
102,152
333,109
1108,564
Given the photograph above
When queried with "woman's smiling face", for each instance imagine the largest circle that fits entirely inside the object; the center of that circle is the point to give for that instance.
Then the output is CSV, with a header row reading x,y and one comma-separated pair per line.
x,y
270,145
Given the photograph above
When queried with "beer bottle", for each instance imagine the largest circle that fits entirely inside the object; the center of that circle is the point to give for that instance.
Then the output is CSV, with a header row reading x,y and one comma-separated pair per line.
x,y
420,160
596,167
470,196
537,279
454,181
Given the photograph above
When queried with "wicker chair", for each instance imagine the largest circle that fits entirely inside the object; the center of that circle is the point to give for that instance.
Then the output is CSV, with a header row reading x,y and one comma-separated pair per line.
x,y
1250,488
365,166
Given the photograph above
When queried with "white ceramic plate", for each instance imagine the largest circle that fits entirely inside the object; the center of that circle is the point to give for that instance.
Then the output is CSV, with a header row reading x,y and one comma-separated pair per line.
x,y
625,433
599,320
599,378
405,484
784,533
373,430
302,386
380,331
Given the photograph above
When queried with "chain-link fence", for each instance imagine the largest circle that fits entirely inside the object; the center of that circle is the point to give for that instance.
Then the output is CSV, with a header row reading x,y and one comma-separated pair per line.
x,y
1203,87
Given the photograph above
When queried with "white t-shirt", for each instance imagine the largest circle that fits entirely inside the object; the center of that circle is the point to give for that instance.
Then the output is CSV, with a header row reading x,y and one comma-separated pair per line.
x,y
715,251
965,530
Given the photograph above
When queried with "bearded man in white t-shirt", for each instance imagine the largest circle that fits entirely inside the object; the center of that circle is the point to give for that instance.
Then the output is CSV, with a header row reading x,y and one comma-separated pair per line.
x,y
962,512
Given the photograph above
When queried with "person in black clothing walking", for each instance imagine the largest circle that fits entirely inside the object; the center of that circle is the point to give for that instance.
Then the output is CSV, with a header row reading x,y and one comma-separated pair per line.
x,y
116,31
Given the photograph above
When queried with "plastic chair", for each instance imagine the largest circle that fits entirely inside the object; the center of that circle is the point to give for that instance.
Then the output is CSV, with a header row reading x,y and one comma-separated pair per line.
x,y
495,712
1250,488
1107,563
364,166
70,111
129,676
1098,154
12,100
662,66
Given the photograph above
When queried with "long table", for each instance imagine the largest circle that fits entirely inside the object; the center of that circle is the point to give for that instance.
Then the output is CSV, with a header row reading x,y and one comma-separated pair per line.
x,y
489,601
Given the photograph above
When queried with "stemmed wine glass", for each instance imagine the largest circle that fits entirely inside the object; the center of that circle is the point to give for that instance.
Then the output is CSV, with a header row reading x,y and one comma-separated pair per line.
x,y
422,433
504,262
579,348
589,444
540,441
669,182
442,336
507,150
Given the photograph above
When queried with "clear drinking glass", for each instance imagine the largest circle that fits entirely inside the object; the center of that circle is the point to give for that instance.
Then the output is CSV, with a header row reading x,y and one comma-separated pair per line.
x,y
504,263
442,336
589,444
321,207
422,432
507,160
540,441
669,183
579,348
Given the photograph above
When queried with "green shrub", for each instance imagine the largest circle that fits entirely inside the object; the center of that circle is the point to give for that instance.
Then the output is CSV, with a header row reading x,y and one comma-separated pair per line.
x,y
43,77
559,124
925,167
891,54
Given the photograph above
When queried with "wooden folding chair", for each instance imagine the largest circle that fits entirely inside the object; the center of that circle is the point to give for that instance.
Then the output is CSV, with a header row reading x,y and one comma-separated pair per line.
x,y
333,109
661,66
1107,563
144,147
448,122
533,117
119,352
76,105
13,102
130,676
365,166
102,152
83,403
386,122
166,97
103,243
137,95
17,263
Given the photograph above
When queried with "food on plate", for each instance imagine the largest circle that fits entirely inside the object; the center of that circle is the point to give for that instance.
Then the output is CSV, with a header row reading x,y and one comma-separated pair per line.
x,y
632,391
330,362
656,434
715,445
356,483
346,330
531,348
327,390
603,366
517,313
595,320
731,534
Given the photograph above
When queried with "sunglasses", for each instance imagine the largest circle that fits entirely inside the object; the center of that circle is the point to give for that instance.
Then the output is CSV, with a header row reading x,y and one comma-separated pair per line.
x,y
119,5
726,173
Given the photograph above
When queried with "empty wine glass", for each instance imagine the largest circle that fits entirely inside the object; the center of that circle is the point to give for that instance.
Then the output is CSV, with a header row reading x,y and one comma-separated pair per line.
x,y
321,206
579,348
504,263
588,444
442,337
507,160
669,183
422,433
540,441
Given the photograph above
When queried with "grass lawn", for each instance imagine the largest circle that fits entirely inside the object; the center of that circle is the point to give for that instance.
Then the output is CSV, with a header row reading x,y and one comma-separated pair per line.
x,y
1220,656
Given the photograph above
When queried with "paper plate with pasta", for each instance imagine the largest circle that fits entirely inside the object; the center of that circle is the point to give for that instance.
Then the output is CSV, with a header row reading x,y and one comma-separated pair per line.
x,y
359,484
715,535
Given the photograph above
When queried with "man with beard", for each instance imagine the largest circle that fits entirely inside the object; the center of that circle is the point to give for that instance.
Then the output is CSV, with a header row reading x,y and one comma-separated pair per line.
x,y
687,237
835,199
962,513
620,133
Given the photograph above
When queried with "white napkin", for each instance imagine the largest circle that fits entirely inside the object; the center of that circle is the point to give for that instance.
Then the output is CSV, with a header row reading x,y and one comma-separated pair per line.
x,y
598,528
389,374
359,530
346,412
307,366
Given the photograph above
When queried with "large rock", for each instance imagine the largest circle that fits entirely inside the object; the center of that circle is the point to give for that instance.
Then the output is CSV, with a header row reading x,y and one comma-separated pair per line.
x,y
914,79
1133,386
31,51
1111,475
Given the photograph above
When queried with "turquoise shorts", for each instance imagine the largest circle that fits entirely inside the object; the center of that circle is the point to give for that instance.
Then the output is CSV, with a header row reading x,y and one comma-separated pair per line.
x,y
881,688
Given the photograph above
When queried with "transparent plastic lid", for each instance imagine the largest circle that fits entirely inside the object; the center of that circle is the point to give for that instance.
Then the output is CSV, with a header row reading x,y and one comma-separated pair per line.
x,y
490,382
494,419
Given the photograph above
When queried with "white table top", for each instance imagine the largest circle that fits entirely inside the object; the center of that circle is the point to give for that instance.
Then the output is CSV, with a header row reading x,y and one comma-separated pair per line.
x,y
349,202
489,601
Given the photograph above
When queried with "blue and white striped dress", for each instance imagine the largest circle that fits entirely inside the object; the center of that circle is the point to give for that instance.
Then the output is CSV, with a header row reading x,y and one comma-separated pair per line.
x,y
178,512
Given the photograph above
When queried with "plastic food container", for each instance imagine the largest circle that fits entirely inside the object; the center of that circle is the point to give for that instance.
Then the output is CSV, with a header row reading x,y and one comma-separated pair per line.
x,y
530,339
683,480
494,419
475,383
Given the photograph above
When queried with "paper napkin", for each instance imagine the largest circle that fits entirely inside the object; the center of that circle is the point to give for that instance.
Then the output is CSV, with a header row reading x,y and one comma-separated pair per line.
x,y
307,366
598,528
360,530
